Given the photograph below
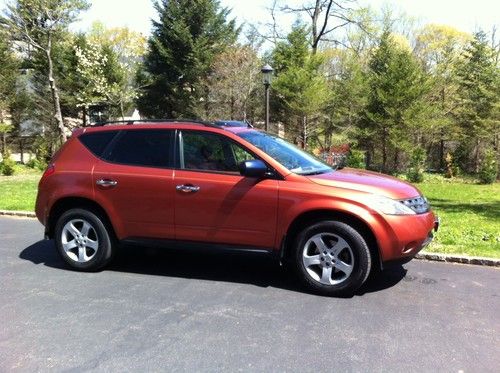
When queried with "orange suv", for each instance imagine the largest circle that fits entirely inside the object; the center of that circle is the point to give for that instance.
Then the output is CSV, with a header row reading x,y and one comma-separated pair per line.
x,y
189,183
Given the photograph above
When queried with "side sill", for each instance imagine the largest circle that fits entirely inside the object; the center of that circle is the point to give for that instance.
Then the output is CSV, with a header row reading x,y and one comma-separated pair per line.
x,y
198,246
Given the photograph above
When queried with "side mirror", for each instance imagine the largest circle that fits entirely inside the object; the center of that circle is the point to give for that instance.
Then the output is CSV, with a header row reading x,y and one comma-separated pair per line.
x,y
253,168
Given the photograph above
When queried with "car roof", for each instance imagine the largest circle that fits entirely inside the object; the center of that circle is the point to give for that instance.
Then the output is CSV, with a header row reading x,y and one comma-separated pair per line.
x,y
157,123
232,123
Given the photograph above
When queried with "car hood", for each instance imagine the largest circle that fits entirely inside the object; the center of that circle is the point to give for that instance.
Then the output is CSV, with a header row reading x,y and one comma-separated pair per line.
x,y
367,181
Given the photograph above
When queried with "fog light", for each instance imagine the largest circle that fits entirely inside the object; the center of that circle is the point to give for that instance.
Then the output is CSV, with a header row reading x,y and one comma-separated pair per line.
x,y
410,247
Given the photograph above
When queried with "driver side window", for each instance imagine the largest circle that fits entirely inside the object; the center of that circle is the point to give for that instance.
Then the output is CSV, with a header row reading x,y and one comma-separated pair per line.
x,y
211,152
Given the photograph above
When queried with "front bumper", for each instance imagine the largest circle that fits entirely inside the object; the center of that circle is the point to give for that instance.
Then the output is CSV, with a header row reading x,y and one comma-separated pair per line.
x,y
410,236
430,237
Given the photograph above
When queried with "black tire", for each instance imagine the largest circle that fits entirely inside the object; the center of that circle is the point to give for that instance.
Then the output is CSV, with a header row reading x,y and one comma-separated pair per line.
x,y
356,254
99,232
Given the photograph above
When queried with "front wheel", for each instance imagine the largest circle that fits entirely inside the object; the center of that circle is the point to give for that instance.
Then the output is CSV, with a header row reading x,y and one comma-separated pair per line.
x,y
332,258
82,240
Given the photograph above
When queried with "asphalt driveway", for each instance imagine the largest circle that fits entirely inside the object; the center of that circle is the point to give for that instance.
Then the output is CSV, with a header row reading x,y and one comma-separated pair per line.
x,y
163,310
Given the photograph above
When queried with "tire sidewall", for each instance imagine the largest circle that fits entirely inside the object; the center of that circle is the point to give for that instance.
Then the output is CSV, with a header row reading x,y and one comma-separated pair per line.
x,y
360,251
104,251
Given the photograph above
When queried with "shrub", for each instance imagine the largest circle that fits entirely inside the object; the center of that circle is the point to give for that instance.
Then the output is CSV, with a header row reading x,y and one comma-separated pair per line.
x,y
489,167
42,154
37,163
452,169
356,159
31,163
415,171
43,151
7,166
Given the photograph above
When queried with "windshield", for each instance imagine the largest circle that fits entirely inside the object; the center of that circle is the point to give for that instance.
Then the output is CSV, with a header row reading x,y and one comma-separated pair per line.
x,y
296,160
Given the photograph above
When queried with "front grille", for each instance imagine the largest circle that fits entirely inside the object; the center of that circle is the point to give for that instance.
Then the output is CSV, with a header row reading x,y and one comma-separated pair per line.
x,y
418,204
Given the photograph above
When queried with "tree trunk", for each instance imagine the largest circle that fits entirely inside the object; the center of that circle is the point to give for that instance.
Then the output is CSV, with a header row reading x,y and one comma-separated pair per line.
x,y
232,107
122,113
304,132
368,157
55,95
84,113
476,157
314,28
441,142
396,160
21,148
441,151
4,144
384,150
4,135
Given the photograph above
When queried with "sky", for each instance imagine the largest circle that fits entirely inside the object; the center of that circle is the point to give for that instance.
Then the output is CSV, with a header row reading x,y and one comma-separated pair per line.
x,y
463,14
466,15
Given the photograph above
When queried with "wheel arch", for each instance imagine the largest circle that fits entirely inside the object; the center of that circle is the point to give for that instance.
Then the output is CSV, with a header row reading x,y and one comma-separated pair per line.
x,y
314,216
66,203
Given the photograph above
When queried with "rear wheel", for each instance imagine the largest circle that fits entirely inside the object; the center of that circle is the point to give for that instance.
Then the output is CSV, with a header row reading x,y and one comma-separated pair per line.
x,y
83,240
332,258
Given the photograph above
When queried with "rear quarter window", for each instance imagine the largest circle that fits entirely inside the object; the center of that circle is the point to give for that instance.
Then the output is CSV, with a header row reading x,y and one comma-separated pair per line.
x,y
97,142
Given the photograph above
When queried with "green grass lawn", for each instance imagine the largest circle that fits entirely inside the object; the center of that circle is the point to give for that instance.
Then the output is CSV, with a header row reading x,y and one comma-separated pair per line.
x,y
470,216
18,192
470,213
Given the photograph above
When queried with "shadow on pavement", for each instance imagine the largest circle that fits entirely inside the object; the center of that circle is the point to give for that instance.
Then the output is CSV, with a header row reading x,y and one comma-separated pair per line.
x,y
256,269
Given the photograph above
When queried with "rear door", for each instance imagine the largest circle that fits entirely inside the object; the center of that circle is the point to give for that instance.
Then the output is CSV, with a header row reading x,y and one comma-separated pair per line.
x,y
213,202
134,182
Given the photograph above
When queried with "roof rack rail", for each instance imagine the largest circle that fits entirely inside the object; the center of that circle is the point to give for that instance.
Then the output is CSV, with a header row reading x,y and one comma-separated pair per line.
x,y
137,121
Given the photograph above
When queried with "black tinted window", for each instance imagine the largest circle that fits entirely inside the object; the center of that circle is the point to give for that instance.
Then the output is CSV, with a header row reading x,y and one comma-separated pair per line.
x,y
150,148
96,142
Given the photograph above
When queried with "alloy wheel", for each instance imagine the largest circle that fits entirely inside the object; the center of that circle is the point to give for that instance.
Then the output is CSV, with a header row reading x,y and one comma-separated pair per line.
x,y
79,240
328,258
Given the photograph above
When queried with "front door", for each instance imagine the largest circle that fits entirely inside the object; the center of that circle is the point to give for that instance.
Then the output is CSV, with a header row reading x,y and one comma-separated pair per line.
x,y
213,202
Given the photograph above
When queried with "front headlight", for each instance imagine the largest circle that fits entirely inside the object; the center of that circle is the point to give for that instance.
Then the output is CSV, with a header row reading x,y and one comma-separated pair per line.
x,y
389,206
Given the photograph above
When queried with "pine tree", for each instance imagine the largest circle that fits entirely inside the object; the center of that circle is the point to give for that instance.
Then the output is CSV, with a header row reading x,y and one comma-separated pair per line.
x,y
301,89
479,80
439,47
348,99
396,106
184,42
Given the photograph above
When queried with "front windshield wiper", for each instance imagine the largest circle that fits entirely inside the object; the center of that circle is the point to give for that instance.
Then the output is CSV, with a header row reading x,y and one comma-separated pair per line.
x,y
316,172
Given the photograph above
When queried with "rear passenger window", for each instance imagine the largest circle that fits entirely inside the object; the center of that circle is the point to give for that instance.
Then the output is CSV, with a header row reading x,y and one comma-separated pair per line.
x,y
96,142
150,148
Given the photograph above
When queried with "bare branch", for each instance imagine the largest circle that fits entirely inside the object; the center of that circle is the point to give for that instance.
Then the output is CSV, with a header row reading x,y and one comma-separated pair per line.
x,y
325,23
335,28
24,32
338,42
288,9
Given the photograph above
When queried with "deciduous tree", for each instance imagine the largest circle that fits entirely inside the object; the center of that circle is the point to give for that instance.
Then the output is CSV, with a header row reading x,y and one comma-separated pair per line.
x,y
37,24
9,70
233,80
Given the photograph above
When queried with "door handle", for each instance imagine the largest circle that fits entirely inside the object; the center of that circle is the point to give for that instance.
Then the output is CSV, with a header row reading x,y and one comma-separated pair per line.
x,y
187,188
106,182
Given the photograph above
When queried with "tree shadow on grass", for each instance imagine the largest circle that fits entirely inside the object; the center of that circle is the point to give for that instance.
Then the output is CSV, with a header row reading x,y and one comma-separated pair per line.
x,y
489,210
257,270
